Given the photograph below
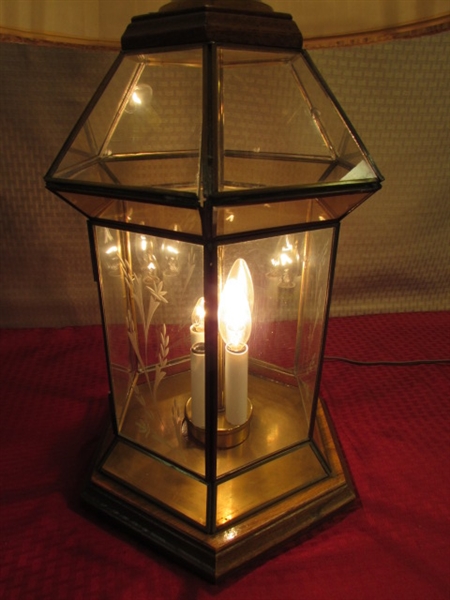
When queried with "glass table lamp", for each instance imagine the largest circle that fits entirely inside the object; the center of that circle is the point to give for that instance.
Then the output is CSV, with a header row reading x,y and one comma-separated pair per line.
x,y
214,166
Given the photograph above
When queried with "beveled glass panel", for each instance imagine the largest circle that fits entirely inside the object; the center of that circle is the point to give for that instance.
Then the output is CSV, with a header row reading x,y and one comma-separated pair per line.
x,y
263,112
316,252
239,219
150,286
168,171
245,170
289,275
171,172
88,143
163,110
145,129
170,218
280,127
121,362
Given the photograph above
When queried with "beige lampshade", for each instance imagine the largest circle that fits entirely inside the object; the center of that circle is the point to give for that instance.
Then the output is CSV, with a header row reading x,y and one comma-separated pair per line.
x,y
322,22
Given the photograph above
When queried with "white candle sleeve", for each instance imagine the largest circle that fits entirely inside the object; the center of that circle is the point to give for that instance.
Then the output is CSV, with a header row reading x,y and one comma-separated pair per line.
x,y
198,384
197,335
236,385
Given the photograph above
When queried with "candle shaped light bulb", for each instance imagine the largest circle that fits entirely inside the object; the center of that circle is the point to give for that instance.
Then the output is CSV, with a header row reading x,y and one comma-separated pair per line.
x,y
235,324
235,320
198,322
112,255
286,261
236,305
145,259
171,257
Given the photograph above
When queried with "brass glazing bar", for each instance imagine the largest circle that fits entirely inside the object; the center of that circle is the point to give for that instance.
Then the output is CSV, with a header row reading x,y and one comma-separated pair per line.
x,y
209,176
221,121
153,155
266,62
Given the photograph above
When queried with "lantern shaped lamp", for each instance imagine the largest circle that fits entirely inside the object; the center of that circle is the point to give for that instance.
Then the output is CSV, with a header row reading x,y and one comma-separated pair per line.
x,y
214,167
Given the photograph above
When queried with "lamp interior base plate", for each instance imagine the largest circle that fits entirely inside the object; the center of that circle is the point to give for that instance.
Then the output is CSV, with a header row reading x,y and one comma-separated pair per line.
x,y
214,556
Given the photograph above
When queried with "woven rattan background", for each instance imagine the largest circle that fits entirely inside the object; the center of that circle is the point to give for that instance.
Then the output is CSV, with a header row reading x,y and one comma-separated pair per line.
x,y
394,250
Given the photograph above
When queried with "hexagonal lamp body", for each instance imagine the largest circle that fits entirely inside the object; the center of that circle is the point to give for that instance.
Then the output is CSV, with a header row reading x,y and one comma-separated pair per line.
x,y
212,141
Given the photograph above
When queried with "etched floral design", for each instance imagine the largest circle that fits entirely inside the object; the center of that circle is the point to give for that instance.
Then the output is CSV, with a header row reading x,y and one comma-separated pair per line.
x,y
146,297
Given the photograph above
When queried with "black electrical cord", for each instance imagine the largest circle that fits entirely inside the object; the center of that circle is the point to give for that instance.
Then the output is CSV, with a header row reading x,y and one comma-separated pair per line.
x,y
387,363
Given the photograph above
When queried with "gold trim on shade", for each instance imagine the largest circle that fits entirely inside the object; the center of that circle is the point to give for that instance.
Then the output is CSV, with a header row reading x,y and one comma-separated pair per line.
x,y
428,27
17,36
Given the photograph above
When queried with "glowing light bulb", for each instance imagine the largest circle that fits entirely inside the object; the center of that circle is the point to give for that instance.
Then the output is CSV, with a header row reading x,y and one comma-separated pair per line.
x,y
236,305
171,255
286,253
152,268
235,321
135,98
285,263
235,325
198,322
198,314
140,98
144,258
112,261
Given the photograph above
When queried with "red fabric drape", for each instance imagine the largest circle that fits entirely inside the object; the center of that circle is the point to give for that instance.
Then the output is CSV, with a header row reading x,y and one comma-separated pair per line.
x,y
393,423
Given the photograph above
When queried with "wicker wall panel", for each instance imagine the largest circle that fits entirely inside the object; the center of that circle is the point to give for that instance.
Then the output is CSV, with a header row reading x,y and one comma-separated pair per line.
x,y
394,251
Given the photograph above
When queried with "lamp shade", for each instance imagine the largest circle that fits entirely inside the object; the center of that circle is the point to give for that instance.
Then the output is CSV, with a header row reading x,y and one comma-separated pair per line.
x,y
324,23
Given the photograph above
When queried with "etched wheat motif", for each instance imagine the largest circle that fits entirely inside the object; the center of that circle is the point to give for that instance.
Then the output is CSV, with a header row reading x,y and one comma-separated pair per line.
x,y
145,312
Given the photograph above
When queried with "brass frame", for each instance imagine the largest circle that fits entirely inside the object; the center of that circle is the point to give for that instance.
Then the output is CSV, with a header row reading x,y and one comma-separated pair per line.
x,y
215,556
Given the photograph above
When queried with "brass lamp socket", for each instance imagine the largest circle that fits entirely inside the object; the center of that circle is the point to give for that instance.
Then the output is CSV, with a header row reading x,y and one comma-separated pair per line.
x,y
228,435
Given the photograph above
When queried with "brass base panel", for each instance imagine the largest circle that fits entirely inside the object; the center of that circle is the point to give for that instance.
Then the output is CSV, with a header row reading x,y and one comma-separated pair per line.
x,y
214,556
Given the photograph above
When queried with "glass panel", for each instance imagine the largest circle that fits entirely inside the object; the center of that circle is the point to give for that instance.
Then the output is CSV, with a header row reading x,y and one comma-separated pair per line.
x,y
239,219
167,172
279,126
316,249
271,338
164,107
158,481
145,129
278,368
88,143
109,243
137,213
149,288
347,153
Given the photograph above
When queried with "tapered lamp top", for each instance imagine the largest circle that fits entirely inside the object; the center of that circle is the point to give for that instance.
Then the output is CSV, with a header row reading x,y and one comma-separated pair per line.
x,y
248,5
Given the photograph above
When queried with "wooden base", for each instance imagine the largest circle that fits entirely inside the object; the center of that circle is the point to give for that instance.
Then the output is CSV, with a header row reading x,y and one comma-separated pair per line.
x,y
215,556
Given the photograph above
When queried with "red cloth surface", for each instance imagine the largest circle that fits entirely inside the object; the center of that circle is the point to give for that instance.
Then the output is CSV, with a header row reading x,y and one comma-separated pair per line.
x,y
393,423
